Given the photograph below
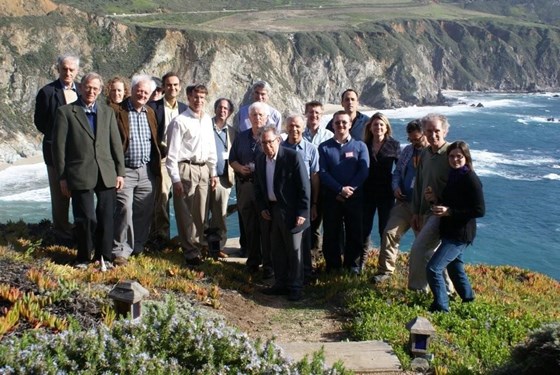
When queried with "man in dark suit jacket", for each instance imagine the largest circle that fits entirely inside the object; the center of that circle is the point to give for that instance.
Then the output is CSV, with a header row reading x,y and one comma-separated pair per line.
x,y
135,202
88,158
57,93
165,109
282,191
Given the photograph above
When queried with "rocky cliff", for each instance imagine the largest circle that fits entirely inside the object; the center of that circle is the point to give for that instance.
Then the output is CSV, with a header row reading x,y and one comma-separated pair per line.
x,y
391,64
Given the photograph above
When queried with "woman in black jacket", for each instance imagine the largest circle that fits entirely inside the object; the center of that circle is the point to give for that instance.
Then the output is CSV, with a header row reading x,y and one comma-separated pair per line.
x,y
384,151
461,203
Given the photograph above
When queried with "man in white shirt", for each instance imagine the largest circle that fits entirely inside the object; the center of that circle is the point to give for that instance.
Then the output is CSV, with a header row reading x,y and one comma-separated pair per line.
x,y
191,163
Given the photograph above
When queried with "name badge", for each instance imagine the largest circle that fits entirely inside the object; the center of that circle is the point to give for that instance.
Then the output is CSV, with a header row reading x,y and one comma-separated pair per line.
x,y
225,155
349,154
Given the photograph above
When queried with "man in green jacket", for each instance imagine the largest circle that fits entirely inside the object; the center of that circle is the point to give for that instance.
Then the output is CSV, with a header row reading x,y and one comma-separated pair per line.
x,y
88,158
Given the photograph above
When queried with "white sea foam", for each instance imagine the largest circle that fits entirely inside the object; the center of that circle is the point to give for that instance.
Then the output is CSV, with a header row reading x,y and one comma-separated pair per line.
x,y
39,195
539,119
514,166
24,182
552,176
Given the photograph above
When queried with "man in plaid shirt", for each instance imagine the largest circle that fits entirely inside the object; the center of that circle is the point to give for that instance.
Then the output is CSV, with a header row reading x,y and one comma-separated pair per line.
x,y
135,202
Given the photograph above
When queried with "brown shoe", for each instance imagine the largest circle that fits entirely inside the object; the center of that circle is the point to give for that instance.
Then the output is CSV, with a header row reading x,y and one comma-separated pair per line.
x,y
120,261
222,255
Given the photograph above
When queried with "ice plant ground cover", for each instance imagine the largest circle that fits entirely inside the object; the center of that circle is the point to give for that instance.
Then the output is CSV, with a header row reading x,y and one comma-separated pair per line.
x,y
42,298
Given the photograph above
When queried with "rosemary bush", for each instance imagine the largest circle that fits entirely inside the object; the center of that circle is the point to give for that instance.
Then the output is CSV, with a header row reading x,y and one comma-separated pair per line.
x,y
170,338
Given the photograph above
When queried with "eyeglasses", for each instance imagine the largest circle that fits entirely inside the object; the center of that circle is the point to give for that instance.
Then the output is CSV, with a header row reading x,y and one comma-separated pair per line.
x,y
268,142
341,122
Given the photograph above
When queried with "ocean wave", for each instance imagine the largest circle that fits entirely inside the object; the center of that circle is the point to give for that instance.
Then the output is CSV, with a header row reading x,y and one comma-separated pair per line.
x,y
23,178
522,159
512,166
540,119
38,195
552,176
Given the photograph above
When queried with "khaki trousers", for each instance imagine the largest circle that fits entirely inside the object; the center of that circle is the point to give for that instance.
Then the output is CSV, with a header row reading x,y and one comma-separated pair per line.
x,y
218,205
424,246
191,209
398,224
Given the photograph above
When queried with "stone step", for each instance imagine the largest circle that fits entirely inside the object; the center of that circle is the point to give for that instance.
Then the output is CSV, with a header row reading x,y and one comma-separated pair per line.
x,y
362,357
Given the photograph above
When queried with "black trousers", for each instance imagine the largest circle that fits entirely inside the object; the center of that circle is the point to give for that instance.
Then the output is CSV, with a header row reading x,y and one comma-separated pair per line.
x,y
93,226
339,215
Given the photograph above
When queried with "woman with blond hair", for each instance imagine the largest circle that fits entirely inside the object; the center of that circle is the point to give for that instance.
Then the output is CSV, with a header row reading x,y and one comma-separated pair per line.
x,y
117,90
384,152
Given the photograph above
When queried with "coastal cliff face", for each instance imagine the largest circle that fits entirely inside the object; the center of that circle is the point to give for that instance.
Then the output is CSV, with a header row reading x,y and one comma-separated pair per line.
x,y
391,64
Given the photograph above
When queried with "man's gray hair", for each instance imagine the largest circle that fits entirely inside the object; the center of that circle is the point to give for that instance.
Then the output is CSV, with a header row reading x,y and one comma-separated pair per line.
x,y
138,78
259,105
269,128
68,56
261,85
435,117
91,76
293,116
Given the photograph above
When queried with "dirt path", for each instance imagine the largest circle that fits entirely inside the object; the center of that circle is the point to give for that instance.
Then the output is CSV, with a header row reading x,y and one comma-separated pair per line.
x,y
266,317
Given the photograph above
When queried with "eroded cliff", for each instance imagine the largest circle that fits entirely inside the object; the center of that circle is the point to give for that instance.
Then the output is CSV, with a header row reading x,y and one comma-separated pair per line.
x,y
391,64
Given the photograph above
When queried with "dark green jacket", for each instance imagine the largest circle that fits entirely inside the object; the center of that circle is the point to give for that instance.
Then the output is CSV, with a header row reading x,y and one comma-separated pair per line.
x,y
81,157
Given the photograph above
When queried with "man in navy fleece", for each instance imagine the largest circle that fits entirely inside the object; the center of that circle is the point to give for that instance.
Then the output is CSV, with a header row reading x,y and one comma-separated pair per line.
x,y
343,168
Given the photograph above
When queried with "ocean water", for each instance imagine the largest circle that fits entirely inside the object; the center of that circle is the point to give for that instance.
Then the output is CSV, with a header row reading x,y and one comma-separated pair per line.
x,y
516,152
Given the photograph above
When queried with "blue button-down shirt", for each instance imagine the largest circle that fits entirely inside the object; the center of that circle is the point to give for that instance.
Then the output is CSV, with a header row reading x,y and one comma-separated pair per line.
x,y
308,152
321,136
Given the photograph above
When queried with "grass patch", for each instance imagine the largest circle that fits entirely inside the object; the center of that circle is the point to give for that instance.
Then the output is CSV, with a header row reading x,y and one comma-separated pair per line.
x,y
473,338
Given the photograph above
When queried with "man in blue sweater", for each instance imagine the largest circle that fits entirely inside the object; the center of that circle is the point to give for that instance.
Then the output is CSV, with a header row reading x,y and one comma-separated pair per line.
x,y
343,168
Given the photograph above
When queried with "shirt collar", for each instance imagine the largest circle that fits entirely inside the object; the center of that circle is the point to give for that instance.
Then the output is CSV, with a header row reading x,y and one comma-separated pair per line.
x,y
90,109
168,105
348,139
224,128
64,87
131,107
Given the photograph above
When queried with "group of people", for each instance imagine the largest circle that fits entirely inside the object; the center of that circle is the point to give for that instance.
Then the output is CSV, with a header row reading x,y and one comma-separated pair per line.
x,y
292,178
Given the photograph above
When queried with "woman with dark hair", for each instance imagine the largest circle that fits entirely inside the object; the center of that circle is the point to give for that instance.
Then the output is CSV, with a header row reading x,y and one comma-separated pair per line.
x,y
384,152
116,90
462,201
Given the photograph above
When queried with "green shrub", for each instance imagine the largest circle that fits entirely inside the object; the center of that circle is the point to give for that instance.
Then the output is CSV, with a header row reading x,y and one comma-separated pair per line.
x,y
539,354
